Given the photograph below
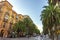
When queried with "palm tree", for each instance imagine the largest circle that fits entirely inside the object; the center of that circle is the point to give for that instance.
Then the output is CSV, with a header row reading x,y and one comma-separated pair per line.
x,y
50,17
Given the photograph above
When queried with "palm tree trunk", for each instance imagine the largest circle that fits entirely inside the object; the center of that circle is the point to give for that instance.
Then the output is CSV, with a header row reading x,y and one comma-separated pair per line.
x,y
53,36
57,37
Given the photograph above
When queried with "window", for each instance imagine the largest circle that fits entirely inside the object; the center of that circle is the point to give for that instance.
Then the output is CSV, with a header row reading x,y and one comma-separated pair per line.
x,y
10,25
16,17
4,25
5,20
7,13
6,17
12,16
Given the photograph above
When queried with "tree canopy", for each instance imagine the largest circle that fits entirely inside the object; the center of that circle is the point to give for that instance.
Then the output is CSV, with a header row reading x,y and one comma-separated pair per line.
x,y
26,26
50,17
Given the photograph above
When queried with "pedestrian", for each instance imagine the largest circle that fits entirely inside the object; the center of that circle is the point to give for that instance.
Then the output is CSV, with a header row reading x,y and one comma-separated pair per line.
x,y
41,37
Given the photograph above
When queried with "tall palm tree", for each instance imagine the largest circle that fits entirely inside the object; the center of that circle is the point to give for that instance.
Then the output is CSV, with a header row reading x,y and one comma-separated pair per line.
x,y
50,17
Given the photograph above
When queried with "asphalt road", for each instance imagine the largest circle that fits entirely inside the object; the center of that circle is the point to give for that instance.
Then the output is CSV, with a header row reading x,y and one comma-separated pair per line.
x,y
24,38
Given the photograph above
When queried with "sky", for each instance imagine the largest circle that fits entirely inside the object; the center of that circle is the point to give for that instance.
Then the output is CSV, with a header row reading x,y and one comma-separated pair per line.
x,y
32,8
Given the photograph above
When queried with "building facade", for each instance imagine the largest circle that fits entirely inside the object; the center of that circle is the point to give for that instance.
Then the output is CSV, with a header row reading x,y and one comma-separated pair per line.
x,y
7,17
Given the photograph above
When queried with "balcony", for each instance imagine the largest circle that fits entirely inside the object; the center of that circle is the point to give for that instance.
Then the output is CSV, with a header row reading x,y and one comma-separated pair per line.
x,y
6,18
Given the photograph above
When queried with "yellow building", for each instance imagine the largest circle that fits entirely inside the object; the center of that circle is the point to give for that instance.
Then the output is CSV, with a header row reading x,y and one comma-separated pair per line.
x,y
7,17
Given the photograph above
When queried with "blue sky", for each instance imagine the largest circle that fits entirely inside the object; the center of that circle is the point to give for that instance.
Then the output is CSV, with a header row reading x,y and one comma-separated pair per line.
x,y
32,8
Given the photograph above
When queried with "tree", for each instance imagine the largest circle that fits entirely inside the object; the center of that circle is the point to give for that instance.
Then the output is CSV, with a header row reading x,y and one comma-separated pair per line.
x,y
26,26
37,31
28,23
19,27
50,18
31,27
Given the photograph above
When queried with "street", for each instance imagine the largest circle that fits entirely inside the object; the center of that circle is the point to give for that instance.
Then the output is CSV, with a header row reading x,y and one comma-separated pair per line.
x,y
24,38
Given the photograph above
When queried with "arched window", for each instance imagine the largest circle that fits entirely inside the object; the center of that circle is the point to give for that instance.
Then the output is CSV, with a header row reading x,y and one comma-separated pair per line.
x,y
10,25
6,17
